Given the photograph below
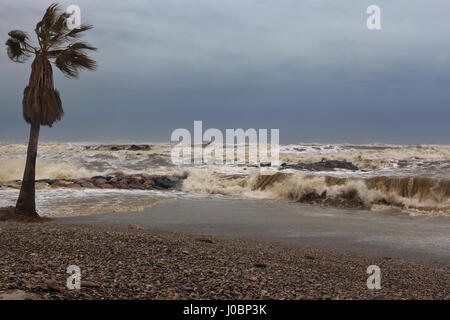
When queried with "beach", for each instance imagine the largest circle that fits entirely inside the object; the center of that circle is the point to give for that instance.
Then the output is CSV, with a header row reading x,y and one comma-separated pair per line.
x,y
225,151
141,227
131,263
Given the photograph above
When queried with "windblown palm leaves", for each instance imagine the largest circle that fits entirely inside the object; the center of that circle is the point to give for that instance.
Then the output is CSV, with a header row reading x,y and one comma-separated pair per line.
x,y
18,47
58,45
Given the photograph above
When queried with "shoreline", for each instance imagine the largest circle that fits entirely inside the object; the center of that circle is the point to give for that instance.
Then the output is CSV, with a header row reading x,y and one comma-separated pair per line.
x,y
133,263
379,234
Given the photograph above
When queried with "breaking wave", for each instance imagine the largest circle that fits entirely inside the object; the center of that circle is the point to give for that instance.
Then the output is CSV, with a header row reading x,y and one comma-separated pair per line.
x,y
410,193
411,177
12,169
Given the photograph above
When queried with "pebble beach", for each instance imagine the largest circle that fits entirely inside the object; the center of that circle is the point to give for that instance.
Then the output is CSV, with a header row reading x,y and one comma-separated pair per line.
x,y
134,263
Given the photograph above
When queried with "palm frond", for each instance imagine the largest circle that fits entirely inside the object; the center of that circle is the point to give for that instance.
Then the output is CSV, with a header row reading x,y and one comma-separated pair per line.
x,y
76,33
73,59
51,27
18,35
16,50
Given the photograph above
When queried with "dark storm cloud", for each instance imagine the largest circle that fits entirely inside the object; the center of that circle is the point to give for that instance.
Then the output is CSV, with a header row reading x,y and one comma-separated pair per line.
x,y
310,68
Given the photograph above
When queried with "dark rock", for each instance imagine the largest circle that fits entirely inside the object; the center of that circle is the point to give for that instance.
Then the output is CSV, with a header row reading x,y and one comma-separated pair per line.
x,y
260,265
37,268
162,183
149,182
324,165
81,181
142,147
105,186
118,147
53,285
98,177
99,181
87,185
136,186
206,240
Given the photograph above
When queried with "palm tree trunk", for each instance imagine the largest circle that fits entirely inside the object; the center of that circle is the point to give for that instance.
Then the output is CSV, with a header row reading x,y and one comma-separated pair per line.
x,y
26,203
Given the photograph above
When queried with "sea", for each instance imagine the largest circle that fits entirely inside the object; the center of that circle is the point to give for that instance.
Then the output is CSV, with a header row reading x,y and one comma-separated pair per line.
x,y
413,180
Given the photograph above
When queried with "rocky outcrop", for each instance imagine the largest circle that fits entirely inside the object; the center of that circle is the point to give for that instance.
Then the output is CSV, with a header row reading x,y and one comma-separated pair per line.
x,y
118,180
118,147
324,165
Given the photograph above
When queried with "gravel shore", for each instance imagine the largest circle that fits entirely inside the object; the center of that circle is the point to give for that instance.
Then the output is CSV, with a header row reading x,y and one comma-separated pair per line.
x,y
131,263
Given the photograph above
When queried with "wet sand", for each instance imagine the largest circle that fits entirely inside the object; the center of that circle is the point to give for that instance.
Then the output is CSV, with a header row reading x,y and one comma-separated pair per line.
x,y
377,234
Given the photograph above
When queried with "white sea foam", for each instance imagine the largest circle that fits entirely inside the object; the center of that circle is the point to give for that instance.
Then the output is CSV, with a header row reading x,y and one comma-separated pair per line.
x,y
414,177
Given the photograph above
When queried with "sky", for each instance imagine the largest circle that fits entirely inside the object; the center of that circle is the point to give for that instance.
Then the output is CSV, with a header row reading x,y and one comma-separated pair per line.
x,y
309,68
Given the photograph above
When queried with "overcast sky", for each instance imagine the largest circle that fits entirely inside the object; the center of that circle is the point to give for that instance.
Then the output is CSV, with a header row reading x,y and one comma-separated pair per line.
x,y
310,68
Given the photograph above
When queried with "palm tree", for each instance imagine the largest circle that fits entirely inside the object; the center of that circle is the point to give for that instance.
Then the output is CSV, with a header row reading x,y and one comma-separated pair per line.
x,y
41,102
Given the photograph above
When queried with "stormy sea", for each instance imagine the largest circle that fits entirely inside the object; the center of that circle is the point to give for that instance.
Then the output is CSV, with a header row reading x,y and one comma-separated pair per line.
x,y
81,178
373,199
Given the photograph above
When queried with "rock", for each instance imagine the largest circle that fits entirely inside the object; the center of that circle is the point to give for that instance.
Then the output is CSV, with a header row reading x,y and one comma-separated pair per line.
x,y
324,165
89,284
98,177
118,147
163,183
40,185
142,147
105,186
259,265
136,186
74,185
53,285
134,227
99,181
61,183
119,174
81,181
16,294
206,240
37,268
87,185
14,184
149,182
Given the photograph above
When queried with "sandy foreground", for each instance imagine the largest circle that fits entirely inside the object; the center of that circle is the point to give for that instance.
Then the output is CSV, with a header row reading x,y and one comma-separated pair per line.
x,y
127,263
